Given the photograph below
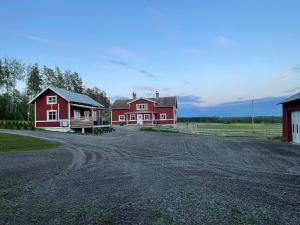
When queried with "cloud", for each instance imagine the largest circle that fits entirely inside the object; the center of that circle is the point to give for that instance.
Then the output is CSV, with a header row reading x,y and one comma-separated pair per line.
x,y
187,82
193,51
223,41
38,39
295,70
129,66
189,100
157,15
140,87
292,90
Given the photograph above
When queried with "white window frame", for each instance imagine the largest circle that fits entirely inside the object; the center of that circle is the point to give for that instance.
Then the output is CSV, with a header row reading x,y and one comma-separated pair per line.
x,y
52,96
163,115
48,113
132,119
148,118
122,120
76,111
142,106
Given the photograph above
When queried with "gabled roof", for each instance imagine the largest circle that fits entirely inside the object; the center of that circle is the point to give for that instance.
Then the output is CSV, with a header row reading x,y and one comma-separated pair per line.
x,y
291,98
162,102
71,97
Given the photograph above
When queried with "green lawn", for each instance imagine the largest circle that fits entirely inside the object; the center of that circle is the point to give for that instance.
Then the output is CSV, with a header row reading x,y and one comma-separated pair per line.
x,y
261,130
11,143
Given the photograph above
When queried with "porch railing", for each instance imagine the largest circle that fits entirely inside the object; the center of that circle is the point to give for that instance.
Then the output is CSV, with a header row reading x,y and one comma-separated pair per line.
x,y
87,122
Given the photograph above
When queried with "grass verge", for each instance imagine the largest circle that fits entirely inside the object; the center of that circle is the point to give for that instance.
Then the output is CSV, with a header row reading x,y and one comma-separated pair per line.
x,y
12,143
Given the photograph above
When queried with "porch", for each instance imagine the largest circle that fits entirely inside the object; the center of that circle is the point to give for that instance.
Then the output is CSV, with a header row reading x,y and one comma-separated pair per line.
x,y
82,116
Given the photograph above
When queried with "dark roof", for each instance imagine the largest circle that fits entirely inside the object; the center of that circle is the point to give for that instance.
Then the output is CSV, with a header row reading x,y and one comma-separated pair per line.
x,y
291,98
163,102
72,97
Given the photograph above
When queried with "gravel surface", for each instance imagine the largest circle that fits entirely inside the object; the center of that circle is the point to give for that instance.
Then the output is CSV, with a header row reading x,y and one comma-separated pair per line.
x,y
134,177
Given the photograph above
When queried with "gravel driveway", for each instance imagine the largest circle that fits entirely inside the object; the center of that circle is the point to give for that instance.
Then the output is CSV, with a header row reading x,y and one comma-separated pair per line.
x,y
133,177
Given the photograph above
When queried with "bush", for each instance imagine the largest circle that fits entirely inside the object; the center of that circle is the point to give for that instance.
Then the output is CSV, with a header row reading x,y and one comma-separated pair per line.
x,y
15,124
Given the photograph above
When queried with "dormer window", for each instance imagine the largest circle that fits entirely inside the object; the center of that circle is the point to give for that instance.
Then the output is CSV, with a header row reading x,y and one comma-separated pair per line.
x,y
51,99
141,106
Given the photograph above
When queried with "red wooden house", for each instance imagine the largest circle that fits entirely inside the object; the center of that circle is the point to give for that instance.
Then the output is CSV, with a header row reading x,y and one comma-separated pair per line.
x,y
291,118
62,110
144,111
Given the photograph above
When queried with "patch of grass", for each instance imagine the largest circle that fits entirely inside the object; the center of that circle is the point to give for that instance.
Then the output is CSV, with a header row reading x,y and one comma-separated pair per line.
x,y
12,142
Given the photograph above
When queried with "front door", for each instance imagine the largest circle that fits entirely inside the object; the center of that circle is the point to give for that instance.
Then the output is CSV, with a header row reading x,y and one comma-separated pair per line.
x,y
296,127
139,119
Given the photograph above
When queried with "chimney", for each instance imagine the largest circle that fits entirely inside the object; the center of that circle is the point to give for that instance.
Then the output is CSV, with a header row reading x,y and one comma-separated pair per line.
x,y
133,95
157,96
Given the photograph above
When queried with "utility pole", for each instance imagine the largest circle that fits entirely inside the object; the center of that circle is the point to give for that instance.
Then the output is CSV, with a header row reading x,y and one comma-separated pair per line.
x,y
252,103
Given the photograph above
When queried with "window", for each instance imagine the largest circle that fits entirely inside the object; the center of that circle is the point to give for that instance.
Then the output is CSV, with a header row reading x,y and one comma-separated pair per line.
x,y
76,114
132,117
146,116
163,116
51,115
121,117
141,106
51,100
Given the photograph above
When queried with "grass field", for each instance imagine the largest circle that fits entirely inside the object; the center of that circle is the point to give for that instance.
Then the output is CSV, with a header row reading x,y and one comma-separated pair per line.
x,y
11,143
261,130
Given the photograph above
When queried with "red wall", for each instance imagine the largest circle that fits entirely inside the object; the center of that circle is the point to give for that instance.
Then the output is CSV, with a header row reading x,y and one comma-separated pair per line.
x,y
151,108
42,107
288,108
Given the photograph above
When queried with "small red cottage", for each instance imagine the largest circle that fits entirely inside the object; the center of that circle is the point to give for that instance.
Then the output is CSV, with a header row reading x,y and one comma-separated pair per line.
x,y
291,118
62,110
144,111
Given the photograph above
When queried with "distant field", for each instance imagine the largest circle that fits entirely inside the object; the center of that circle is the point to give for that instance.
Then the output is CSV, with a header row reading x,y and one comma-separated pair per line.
x,y
11,143
260,130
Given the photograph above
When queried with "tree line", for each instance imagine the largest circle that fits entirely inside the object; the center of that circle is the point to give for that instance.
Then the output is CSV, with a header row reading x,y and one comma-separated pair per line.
x,y
228,120
14,103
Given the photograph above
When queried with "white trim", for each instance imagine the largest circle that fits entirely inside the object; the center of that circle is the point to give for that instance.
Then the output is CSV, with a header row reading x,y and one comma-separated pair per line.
x,y
51,96
148,115
47,111
164,118
132,114
122,120
140,99
142,104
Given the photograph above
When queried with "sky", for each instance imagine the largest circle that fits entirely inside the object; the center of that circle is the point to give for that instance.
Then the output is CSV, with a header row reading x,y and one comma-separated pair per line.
x,y
211,54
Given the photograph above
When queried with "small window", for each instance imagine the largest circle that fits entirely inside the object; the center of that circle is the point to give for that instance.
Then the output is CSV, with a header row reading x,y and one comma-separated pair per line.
x,y
141,106
76,114
163,116
132,117
51,100
147,117
121,117
51,115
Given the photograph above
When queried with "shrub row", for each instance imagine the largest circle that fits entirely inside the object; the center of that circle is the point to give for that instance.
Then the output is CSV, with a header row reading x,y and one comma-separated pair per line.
x,y
16,124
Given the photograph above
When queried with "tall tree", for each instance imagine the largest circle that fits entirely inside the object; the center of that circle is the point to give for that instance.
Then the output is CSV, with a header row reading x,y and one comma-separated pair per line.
x,y
49,76
60,81
98,95
34,81
11,71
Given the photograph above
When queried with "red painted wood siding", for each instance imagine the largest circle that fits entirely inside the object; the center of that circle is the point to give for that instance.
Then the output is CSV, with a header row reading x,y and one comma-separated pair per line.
x,y
42,107
288,108
151,108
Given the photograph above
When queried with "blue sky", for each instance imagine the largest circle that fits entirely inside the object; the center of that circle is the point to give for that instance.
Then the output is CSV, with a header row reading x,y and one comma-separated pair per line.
x,y
209,53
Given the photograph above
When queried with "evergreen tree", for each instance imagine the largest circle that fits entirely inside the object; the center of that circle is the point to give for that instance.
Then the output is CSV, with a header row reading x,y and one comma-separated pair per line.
x,y
34,81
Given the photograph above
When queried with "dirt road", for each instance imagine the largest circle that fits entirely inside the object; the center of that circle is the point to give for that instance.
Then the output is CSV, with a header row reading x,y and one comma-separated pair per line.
x,y
132,177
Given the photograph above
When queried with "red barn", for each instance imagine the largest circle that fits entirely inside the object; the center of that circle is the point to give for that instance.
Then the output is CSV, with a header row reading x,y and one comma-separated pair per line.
x,y
62,110
291,118
144,111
